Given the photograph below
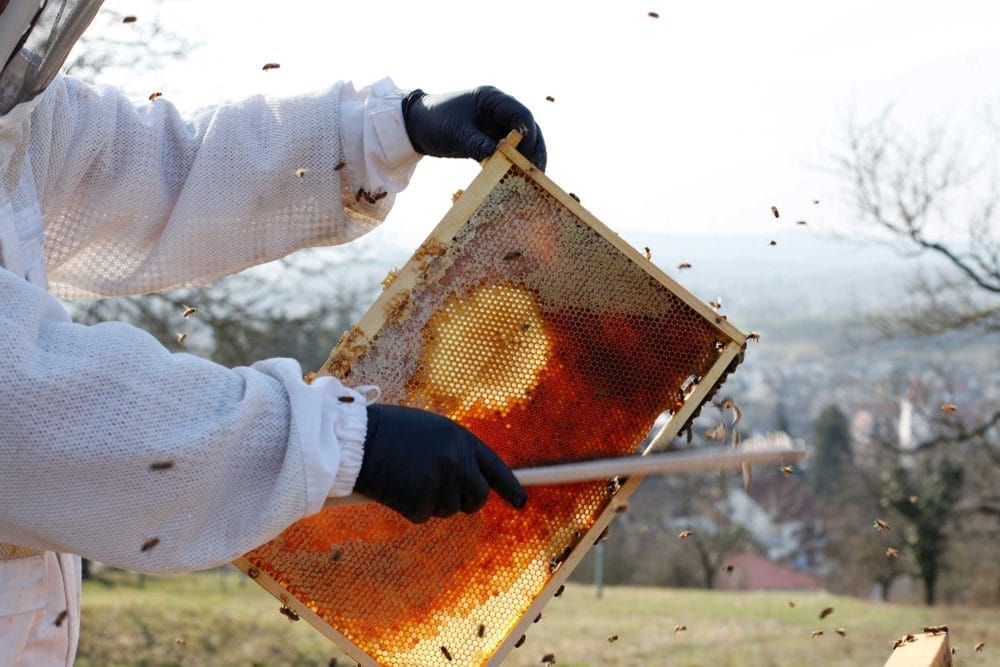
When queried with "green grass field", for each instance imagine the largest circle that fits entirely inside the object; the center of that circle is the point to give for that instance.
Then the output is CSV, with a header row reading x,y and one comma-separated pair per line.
x,y
213,619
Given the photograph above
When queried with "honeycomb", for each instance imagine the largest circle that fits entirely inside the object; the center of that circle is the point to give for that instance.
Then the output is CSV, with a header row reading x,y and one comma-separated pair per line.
x,y
530,328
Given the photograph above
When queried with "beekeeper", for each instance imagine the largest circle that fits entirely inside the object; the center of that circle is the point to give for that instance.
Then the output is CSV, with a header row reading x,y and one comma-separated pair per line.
x,y
101,198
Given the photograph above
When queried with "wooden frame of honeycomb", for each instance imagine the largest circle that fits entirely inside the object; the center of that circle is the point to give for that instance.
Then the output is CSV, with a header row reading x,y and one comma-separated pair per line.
x,y
710,348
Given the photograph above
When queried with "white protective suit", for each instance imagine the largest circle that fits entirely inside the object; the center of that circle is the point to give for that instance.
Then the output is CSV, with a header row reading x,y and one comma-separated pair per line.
x,y
100,198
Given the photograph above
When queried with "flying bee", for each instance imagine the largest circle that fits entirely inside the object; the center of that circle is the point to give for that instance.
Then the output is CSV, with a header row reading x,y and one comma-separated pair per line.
x,y
621,509
446,653
149,544
154,95
612,639
520,642
340,165
891,553
730,568
653,15
560,590
161,465
61,618
649,253
787,471
948,408
817,633
980,646
180,641
684,534
680,627
603,536
549,98
936,629
826,612
269,66
791,604
717,433
774,211
881,526
188,312
816,202
754,335
288,613
130,19
549,659
300,172
683,265
913,500
181,337
801,222
841,631
772,243
717,304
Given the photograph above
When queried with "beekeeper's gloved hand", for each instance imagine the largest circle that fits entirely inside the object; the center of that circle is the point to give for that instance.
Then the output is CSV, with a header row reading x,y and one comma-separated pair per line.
x,y
470,123
422,465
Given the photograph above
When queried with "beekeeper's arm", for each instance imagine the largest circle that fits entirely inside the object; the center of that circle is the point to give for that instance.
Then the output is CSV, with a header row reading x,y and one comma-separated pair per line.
x,y
138,199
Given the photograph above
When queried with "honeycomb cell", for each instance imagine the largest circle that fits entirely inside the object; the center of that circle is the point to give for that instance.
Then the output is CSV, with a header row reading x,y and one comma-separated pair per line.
x,y
535,332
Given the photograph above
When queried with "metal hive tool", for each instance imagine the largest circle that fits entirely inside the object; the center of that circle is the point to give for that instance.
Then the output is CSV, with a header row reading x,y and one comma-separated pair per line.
x,y
531,323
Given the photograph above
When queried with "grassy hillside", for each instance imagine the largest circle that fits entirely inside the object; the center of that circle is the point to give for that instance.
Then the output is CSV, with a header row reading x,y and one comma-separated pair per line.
x,y
220,621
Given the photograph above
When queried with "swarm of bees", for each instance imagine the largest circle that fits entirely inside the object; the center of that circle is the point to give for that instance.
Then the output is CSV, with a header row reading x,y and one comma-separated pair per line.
x,y
881,526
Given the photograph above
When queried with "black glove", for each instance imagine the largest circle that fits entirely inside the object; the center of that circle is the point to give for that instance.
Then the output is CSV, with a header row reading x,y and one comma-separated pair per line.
x,y
422,465
470,123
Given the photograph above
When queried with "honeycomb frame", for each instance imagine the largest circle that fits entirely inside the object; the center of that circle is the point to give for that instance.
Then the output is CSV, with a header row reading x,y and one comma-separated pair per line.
x,y
395,302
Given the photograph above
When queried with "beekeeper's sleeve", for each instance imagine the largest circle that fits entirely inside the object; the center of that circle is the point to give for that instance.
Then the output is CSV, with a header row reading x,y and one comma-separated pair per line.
x,y
139,199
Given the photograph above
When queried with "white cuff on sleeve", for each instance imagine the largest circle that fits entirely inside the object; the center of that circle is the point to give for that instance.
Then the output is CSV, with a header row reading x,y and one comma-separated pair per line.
x,y
378,152
329,421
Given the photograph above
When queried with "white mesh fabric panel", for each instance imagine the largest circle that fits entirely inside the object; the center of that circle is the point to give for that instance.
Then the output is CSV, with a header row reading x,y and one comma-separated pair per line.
x,y
139,199
111,444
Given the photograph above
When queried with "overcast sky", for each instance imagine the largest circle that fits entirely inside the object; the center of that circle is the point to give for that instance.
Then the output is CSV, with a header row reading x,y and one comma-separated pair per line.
x,y
694,122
